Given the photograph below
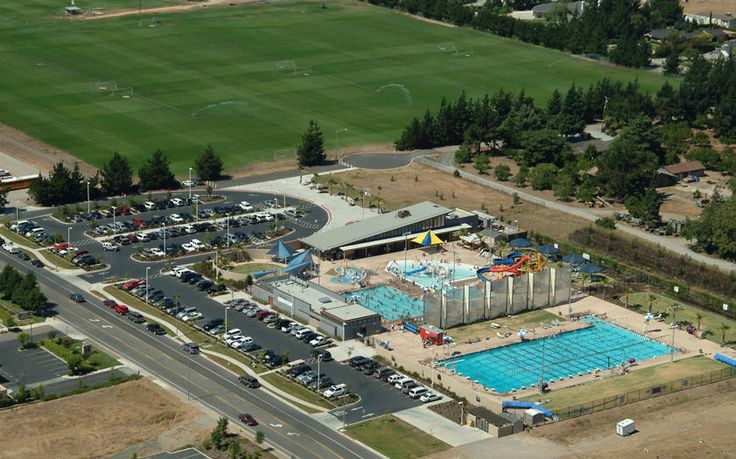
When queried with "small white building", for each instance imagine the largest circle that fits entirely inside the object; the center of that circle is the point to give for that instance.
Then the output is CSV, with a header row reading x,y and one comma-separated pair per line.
x,y
625,427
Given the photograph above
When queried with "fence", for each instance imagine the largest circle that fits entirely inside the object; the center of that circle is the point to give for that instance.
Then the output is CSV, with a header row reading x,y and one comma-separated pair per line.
x,y
644,394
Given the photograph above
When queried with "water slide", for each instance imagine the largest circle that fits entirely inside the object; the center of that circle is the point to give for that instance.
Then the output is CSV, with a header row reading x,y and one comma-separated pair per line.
x,y
527,405
725,359
513,269
415,270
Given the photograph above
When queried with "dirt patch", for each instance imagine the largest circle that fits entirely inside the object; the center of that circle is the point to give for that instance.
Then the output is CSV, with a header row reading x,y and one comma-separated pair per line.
x,y
674,425
714,6
98,423
431,21
184,7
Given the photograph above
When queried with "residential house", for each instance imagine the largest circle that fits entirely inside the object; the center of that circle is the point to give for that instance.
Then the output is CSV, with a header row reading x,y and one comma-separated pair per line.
x,y
725,20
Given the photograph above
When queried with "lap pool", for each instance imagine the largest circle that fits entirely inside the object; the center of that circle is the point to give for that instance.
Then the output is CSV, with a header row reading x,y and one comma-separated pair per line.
x,y
392,304
523,365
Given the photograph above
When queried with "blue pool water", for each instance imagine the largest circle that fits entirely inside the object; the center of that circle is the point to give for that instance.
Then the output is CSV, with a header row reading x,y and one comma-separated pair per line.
x,y
434,274
349,275
601,346
392,304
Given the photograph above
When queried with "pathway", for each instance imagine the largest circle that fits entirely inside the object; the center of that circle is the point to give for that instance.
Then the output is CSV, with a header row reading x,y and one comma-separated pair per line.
x,y
440,427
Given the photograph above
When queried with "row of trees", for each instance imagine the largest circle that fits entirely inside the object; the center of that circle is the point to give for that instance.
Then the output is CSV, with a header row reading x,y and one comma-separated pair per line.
x,y
600,24
64,185
22,290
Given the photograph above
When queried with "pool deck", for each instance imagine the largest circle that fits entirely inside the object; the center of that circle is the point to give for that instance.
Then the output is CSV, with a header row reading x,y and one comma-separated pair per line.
x,y
412,355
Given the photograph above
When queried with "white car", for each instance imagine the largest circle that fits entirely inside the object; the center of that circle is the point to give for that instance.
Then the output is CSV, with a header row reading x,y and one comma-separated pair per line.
x,y
178,202
148,205
319,340
176,218
11,248
232,332
192,316
143,237
108,246
242,341
430,397
189,247
197,243
189,229
236,341
157,252
179,270
336,390
186,312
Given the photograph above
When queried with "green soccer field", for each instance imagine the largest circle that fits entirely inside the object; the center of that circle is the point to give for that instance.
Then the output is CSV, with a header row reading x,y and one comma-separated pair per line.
x,y
247,79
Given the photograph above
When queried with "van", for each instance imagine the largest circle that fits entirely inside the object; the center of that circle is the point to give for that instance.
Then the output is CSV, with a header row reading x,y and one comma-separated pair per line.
x,y
249,381
417,392
300,334
294,363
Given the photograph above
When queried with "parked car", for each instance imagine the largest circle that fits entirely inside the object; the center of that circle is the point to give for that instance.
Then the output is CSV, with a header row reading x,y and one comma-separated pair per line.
x,y
356,360
417,392
336,390
136,317
383,373
37,263
110,246
212,324
325,355
249,381
192,316
429,397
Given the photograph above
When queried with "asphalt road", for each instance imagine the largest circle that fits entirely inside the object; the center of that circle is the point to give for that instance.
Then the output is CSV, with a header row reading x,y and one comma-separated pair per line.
x,y
290,430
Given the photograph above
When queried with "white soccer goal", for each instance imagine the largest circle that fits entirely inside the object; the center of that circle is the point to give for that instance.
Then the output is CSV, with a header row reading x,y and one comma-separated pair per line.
x,y
284,154
286,66
106,86
447,47
123,93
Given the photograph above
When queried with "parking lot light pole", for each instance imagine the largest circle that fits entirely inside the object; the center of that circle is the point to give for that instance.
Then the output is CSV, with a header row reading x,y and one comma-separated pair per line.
x,y
227,223
461,412
88,209
113,216
165,240
406,246
17,211
69,235
148,268
337,132
190,183
319,360
227,308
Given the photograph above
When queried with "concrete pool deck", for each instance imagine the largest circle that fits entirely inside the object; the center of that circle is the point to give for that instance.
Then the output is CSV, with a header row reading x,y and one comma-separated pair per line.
x,y
409,352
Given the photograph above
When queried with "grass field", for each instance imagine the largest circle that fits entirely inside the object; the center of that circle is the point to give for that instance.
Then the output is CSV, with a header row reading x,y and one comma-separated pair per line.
x,y
395,438
635,380
248,78
247,268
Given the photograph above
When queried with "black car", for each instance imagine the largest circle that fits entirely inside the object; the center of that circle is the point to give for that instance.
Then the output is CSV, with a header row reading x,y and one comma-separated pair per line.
x,y
356,360
205,284
250,347
369,368
136,317
187,275
212,324
326,356
308,336
23,256
77,298
249,381
156,329
37,263
299,369
276,361
190,348
196,277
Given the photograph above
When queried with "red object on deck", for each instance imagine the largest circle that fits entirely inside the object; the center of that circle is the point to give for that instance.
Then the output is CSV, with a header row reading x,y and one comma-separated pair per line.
x,y
432,334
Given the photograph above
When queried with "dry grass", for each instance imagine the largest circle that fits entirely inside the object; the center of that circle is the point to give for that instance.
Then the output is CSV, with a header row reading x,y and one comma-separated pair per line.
x,y
94,424
403,187
715,6
483,329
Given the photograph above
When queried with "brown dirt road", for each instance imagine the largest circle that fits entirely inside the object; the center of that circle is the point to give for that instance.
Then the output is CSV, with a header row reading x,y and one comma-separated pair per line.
x,y
184,7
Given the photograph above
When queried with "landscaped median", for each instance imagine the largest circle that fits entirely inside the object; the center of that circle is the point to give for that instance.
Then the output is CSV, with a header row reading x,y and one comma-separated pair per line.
x,y
71,351
290,387
16,238
395,438
53,259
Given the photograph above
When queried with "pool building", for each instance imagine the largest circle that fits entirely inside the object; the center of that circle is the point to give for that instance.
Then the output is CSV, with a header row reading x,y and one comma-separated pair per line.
x,y
389,232
309,303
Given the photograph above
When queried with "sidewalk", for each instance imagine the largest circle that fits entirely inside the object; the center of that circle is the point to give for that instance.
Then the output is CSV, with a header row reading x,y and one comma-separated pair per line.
x,y
440,427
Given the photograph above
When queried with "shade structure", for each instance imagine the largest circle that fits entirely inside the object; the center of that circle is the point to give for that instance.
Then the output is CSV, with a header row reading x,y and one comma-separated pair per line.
x,y
548,250
520,243
428,239
574,259
305,256
259,274
281,250
294,268
590,268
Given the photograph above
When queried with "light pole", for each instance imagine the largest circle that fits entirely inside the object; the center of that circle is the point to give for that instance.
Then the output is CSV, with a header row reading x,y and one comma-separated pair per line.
x,y
196,209
88,209
148,268
227,224
113,217
675,308
217,273
337,132
69,235
461,412
164,239
17,211
190,183
319,360
406,247
227,308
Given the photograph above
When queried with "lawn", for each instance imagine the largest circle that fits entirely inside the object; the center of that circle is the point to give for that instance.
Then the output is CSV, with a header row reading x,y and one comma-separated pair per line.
x,y
248,79
248,268
296,390
637,379
8,311
65,347
483,329
710,322
395,438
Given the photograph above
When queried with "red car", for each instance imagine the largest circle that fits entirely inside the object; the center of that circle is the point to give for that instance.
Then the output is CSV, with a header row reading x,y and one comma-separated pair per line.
x,y
247,419
60,246
133,283
121,309
138,222
263,313
109,303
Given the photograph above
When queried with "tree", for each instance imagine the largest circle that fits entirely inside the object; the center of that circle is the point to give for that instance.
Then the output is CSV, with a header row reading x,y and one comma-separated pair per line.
x,y
480,162
502,172
61,187
651,297
311,151
462,155
713,231
521,176
564,186
117,176
260,437
699,318
645,207
23,339
219,433
544,146
672,64
208,165
724,328
586,191
626,168
75,363
3,198
155,174
543,176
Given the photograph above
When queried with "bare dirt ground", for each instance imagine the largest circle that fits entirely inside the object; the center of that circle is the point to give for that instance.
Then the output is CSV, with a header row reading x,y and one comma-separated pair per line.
x,y
101,423
184,7
403,187
704,6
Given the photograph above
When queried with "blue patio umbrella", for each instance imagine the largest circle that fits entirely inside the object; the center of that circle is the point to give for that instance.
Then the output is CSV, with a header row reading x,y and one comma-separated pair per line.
x,y
548,250
590,268
281,250
574,259
520,243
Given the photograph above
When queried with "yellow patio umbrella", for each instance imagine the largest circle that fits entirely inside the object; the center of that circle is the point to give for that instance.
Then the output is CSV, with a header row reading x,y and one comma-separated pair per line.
x,y
428,239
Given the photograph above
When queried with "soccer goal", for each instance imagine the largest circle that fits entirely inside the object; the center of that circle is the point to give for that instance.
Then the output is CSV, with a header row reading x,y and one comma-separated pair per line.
x,y
123,93
447,47
285,66
106,86
284,154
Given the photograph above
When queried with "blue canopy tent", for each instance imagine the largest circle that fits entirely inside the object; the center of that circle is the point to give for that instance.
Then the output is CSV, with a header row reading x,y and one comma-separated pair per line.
x,y
520,243
281,251
590,268
574,259
300,258
548,250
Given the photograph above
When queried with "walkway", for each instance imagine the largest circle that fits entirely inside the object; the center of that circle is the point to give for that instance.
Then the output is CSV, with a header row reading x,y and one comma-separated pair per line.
x,y
678,246
440,427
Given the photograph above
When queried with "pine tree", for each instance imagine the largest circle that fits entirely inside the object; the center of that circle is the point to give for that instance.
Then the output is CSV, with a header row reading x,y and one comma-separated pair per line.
x,y
208,165
155,174
312,149
117,176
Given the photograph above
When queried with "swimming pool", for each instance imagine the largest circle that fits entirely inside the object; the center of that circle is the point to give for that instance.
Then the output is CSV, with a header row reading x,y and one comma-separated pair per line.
x,y
348,275
523,365
432,274
392,304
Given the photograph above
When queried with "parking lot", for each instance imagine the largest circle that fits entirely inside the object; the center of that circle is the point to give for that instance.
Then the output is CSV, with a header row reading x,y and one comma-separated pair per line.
x,y
30,366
